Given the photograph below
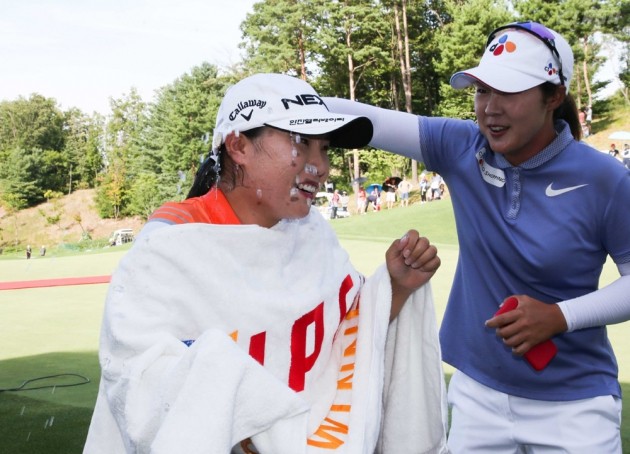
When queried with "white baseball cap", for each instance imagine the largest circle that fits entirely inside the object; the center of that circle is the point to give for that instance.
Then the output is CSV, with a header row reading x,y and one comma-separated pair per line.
x,y
286,103
520,56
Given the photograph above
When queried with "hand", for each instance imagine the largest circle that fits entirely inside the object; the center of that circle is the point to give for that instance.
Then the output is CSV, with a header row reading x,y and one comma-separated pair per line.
x,y
411,262
531,323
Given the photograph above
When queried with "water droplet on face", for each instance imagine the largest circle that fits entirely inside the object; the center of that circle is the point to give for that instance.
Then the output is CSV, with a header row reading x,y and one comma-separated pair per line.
x,y
294,154
310,169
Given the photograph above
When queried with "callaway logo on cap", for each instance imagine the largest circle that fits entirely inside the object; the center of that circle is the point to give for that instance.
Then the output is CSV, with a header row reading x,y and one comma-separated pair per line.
x,y
286,103
246,105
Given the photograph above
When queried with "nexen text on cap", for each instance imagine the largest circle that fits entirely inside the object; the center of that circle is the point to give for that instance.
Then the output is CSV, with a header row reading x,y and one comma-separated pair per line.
x,y
516,60
286,103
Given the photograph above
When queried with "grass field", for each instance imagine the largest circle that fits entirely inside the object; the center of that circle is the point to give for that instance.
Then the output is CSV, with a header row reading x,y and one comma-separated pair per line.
x,y
49,331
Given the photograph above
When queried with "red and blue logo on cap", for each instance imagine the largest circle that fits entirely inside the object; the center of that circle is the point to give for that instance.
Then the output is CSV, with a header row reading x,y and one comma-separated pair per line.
x,y
551,69
502,44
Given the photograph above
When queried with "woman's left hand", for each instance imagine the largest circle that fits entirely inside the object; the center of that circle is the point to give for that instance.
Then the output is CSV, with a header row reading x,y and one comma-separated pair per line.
x,y
411,262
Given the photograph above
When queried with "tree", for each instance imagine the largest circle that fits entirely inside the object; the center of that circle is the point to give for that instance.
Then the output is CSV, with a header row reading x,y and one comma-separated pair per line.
x,y
32,157
145,195
462,43
84,136
578,21
20,179
179,123
336,46
53,218
31,123
621,33
277,36
123,151
624,75
355,46
425,18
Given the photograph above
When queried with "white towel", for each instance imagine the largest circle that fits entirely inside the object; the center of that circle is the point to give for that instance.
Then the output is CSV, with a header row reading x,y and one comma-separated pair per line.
x,y
193,308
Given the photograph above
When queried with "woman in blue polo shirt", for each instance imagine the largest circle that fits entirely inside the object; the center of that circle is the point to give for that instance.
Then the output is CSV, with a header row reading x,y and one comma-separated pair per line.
x,y
538,212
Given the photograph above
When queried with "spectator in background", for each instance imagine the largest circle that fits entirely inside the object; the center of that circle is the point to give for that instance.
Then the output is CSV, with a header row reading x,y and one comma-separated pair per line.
x,y
614,152
374,199
344,200
436,187
582,118
390,196
405,188
626,155
589,118
424,188
361,200
28,251
334,204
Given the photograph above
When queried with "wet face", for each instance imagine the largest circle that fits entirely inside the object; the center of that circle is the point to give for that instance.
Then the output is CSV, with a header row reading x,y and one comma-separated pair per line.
x,y
282,173
516,125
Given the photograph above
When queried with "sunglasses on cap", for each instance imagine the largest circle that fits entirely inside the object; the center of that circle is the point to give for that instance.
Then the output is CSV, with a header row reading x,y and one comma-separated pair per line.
x,y
539,31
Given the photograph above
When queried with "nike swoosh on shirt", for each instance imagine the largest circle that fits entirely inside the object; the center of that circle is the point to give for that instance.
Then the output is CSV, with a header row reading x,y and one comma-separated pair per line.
x,y
550,192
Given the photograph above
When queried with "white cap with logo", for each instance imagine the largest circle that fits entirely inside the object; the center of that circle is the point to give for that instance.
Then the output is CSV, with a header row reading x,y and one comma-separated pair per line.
x,y
521,56
286,103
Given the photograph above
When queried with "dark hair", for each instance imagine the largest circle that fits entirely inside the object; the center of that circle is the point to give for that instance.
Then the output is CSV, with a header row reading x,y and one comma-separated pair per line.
x,y
567,111
206,175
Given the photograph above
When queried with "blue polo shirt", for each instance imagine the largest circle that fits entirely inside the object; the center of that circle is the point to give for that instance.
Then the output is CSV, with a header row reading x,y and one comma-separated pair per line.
x,y
544,229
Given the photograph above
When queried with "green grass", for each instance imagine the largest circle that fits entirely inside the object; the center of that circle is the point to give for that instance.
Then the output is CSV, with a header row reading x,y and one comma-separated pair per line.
x,y
51,420
55,330
434,220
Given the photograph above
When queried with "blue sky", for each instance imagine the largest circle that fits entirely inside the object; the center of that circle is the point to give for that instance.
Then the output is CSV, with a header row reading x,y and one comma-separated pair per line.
x,y
82,52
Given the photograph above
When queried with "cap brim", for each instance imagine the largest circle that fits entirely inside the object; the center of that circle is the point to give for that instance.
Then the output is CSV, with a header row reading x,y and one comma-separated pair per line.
x,y
502,79
344,131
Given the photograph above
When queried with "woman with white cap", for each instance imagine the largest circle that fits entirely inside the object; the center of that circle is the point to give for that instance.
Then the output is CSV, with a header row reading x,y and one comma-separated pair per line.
x,y
236,323
537,212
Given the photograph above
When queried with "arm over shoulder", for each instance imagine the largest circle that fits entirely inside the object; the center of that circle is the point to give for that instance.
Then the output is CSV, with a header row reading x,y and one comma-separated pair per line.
x,y
394,131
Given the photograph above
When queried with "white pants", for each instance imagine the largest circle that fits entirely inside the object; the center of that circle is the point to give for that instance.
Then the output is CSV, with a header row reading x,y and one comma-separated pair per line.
x,y
486,421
